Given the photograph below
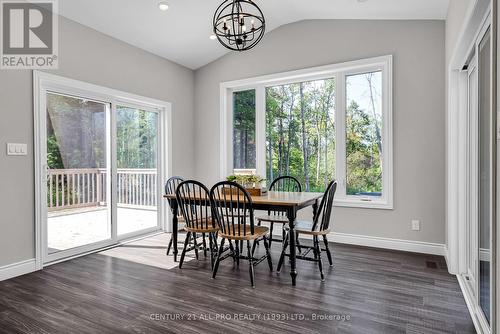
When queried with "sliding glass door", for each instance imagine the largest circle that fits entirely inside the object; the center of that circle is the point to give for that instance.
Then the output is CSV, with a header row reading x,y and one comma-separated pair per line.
x,y
137,169
480,181
102,169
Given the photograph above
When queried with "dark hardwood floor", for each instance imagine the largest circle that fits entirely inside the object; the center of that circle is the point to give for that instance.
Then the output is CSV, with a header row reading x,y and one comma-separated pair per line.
x,y
137,289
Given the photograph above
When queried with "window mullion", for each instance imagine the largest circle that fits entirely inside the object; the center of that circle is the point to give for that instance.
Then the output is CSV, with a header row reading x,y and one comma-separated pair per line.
x,y
340,149
260,129
227,165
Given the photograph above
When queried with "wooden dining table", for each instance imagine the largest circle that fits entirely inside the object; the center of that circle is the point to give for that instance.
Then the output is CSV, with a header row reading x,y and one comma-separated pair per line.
x,y
289,202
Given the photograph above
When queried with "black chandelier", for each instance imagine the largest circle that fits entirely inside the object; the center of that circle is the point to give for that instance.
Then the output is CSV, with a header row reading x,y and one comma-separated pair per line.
x,y
239,24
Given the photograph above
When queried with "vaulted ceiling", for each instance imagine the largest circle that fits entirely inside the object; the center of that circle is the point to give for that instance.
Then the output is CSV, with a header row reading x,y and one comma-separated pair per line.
x,y
181,34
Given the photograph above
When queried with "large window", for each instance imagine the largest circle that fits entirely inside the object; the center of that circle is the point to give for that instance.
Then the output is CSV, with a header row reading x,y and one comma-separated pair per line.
x,y
331,122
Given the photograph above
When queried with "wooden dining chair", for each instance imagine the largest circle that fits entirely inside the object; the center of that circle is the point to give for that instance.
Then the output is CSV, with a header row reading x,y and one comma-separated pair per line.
x,y
193,199
170,188
282,183
319,226
233,210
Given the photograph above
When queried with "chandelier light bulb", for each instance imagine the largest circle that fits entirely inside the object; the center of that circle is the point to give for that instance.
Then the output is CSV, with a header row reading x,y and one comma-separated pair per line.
x,y
163,5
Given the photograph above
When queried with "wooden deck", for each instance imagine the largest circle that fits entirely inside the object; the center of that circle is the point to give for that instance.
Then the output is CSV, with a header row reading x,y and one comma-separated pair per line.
x,y
80,226
137,289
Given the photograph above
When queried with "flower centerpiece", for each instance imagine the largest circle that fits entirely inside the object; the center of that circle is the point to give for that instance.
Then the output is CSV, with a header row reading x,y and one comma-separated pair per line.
x,y
252,183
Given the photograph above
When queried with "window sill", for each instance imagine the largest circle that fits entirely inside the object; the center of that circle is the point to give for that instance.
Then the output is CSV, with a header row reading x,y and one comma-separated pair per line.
x,y
357,203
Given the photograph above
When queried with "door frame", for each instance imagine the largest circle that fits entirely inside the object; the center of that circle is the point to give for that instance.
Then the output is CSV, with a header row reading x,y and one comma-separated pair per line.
x,y
477,14
43,82
471,220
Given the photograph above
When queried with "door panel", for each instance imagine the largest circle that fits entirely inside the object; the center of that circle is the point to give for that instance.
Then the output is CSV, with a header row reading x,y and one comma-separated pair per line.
x,y
137,169
485,182
78,206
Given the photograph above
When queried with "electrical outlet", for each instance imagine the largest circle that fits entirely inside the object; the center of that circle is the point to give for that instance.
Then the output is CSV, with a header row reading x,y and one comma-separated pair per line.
x,y
415,225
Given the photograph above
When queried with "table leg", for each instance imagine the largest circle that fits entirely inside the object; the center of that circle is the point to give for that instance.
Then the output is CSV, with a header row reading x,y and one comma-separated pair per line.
x,y
291,215
175,228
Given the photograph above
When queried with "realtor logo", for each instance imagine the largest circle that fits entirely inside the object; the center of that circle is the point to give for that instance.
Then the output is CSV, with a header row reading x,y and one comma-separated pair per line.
x,y
29,34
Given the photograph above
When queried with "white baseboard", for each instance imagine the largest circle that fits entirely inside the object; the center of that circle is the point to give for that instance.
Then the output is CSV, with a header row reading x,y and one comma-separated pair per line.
x,y
388,243
17,269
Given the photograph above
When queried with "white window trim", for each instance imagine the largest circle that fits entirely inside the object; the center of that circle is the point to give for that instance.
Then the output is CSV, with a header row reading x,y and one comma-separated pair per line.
x,y
339,71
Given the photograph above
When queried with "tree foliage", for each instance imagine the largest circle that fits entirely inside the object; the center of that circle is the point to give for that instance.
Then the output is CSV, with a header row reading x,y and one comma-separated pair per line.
x,y
301,129
136,136
76,135
300,134
244,129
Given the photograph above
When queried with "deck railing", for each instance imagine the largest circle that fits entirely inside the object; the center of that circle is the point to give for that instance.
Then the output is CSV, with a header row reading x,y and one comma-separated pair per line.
x,y
74,188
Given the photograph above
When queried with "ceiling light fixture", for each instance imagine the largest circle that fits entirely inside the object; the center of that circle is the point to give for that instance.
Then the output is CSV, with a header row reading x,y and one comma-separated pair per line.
x,y
163,5
239,24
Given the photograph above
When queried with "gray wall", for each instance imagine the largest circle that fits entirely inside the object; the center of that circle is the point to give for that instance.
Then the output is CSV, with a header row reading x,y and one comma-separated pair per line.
x,y
418,48
87,55
454,22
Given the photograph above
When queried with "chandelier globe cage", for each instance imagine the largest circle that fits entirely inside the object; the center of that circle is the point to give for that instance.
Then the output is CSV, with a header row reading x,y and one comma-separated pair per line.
x,y
239,25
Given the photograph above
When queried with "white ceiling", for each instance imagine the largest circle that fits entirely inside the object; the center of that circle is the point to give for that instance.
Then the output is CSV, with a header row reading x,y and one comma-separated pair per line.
x,y
181,33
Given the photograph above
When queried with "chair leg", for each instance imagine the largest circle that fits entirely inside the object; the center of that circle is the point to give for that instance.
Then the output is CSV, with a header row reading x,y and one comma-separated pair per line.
x,y
184,249
271,228
204,246
169,245
297,242
328,253
238,250
195,245
317,250
213,248
282,256
217,261
233,250
268,254
250,260
314,250
255,242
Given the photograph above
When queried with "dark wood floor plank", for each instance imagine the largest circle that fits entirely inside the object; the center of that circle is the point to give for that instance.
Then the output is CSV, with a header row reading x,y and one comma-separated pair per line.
x,y
121,291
